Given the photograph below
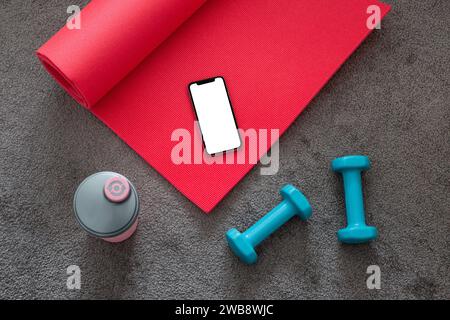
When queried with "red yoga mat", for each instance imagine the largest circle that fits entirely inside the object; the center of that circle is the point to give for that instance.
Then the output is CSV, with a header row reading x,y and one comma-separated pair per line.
x,y
131,63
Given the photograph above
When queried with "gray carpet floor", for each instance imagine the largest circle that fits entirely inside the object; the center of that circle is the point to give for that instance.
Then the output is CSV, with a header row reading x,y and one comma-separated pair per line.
x,y
390,101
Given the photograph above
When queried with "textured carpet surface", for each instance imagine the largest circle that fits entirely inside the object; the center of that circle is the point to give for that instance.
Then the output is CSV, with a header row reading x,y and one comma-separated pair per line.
x,y
390,101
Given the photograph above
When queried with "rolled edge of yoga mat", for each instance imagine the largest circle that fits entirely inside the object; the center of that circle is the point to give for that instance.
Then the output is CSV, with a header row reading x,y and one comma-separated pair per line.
x,y
115,36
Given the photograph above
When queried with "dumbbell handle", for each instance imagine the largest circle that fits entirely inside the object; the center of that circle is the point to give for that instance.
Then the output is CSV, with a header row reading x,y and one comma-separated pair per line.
x,y
354,203
271,222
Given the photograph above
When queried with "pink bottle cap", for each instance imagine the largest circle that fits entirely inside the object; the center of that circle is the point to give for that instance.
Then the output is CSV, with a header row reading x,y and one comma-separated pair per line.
x,y
117,189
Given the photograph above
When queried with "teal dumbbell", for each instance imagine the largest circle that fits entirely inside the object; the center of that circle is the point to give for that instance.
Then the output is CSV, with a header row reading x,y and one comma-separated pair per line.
x,y
243,244
356,231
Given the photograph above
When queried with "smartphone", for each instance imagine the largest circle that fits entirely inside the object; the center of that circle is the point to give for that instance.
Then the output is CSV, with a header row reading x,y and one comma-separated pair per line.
x,y
215,115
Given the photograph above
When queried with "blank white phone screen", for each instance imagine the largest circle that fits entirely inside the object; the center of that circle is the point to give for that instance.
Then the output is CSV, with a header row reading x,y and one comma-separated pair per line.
x,y
215,115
